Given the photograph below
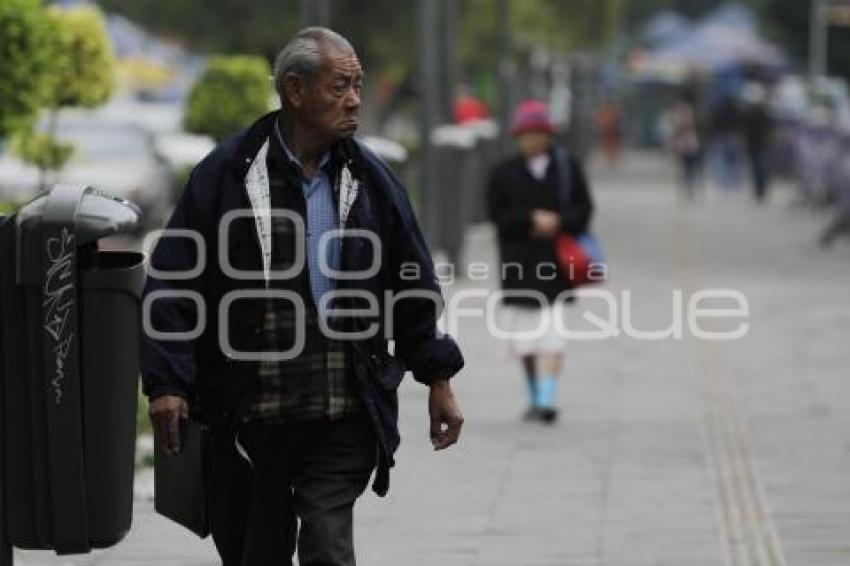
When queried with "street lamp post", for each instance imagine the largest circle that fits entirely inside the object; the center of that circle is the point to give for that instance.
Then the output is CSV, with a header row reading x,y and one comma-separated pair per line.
x,y
429,94
818,38
505,71
448,57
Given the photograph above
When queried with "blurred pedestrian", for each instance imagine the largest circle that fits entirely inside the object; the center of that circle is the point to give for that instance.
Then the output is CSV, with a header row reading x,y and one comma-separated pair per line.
x,y
758,137
524,197
727,151
609,124
682,137
302,407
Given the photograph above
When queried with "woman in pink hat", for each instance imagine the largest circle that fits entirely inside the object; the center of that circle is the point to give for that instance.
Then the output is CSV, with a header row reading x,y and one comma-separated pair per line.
x,y
532,197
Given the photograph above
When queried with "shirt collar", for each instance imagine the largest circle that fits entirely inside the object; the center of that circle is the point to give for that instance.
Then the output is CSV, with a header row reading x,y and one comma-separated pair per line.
x,y
323,162
538,165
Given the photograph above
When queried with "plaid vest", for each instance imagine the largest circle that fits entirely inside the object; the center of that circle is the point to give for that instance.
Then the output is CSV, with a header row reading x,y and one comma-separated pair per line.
x,y
317,383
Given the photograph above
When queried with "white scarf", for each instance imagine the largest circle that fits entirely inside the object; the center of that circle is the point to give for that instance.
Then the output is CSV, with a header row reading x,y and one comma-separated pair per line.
x,y
257,187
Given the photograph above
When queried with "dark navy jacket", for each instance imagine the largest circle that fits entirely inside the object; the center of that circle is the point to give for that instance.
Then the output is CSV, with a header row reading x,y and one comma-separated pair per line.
x,y
218,385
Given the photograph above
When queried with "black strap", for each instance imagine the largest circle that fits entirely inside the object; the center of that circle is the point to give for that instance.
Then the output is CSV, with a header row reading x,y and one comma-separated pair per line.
x,y
565,180
62,371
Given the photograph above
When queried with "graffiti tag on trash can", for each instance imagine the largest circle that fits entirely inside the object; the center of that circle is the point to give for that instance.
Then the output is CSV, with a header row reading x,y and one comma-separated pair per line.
x,y
59,297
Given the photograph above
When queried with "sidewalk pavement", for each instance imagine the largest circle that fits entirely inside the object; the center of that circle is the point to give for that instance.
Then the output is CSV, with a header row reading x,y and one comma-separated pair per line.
x,y
670,452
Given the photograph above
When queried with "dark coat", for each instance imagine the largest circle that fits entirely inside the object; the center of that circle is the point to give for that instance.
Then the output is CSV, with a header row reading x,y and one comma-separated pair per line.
x,y
218,386
528,263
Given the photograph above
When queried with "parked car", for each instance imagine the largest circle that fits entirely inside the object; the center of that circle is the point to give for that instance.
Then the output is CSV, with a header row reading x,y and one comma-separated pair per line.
x,y
118,158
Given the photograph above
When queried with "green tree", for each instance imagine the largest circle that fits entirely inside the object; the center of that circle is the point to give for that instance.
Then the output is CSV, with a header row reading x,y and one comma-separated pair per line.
x,y
231,93
24,59
42,150
83,69
81,73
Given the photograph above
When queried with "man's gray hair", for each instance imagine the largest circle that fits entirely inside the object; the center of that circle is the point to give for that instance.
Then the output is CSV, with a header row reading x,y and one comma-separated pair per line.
x,y
302,56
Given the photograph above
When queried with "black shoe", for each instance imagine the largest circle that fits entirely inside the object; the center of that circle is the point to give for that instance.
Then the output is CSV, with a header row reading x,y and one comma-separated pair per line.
x,y
532,414
548,415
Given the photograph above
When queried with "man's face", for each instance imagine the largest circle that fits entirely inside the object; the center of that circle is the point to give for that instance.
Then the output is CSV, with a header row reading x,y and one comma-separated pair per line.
x,y
331,101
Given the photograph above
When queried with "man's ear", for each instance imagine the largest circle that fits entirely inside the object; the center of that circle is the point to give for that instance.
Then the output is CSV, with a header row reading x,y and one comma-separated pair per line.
x,y
293,90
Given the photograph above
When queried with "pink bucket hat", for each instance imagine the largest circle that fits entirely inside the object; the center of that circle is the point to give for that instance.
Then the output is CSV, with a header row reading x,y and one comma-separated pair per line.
x,y
531,116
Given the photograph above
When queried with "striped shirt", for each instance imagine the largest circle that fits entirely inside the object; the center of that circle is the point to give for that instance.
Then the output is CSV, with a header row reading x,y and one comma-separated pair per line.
x,y
321,217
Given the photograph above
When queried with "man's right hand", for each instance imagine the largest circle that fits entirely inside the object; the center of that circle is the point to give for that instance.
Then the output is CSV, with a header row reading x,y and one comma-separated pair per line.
x,y
166,412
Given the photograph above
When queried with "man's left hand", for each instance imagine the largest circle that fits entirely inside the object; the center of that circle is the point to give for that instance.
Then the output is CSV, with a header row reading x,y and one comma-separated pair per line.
x,y
446,418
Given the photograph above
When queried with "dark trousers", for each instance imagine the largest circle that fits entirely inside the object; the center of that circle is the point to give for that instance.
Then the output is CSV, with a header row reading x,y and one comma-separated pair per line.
x,y
310,472
760,171
690,166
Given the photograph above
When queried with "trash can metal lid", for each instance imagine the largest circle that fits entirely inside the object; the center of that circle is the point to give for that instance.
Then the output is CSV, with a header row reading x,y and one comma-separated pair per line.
x,y
93,213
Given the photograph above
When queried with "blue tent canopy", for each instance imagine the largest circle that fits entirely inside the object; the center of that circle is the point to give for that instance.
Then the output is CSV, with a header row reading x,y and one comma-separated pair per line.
x,y
665,27
728,37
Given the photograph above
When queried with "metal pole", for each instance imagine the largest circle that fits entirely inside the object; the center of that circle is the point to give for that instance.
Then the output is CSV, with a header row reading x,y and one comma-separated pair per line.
x,y
818,39
429,110
505,71
316,12
448,58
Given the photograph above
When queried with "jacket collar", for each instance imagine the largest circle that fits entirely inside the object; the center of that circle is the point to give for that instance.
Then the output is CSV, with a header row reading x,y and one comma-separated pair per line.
x,y
248,144
252,139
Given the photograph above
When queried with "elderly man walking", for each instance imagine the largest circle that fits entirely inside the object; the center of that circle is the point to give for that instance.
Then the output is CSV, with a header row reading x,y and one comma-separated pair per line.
x,y
291,267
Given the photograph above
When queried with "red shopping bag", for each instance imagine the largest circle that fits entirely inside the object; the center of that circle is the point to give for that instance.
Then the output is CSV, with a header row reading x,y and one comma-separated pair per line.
x,y
577,257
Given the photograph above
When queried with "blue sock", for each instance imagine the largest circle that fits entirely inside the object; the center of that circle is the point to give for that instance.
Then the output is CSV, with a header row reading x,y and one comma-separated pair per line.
x,y
548,390
533,391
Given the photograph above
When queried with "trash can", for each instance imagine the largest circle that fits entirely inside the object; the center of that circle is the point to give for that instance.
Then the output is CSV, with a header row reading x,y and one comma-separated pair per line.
x,y
69,372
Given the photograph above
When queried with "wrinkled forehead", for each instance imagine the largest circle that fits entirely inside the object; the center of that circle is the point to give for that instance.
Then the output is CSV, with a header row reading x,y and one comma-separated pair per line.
x,y
339,61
